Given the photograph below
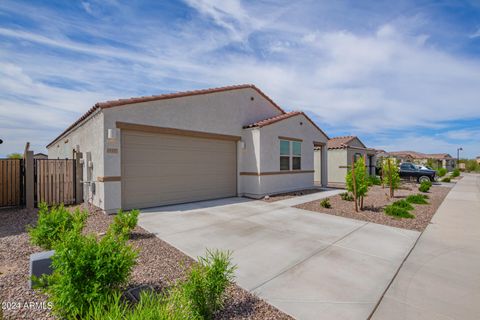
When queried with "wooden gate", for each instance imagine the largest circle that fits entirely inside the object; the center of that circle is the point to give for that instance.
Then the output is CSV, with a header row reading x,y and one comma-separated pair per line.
x,y
11,182
55,181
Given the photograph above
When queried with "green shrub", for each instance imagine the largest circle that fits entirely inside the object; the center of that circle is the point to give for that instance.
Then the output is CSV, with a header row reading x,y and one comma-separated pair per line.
x,y
374,180
456,173
325,203
417,198
196,298
124,222
446,179
53,224
398,212
152,306
87,270
207,282
347,196
403,204
425,186
441,172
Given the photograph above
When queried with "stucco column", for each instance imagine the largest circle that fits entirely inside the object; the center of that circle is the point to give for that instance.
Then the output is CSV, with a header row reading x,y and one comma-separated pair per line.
x,y
324,165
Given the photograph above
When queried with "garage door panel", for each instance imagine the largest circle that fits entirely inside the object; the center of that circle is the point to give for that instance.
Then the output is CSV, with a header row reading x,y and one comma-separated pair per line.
x,y
160,169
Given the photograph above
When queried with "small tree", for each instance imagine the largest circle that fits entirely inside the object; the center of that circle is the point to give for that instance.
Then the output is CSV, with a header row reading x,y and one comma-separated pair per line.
x,y
357,182
390,175
15,155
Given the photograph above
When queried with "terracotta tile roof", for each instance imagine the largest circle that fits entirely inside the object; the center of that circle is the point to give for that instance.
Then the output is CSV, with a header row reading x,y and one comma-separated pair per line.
x,y
339,142
121,102
281,117
439,156
266,122
419,155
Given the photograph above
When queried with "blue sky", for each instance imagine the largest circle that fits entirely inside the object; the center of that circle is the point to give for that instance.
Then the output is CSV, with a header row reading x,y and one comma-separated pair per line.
x,y
402,75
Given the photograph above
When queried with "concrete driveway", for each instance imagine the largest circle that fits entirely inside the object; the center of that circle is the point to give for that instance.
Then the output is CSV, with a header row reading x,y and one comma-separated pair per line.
x,y
309,265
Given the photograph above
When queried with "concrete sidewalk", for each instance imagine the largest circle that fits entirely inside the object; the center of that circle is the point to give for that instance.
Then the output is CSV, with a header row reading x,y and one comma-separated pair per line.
x,y
441,277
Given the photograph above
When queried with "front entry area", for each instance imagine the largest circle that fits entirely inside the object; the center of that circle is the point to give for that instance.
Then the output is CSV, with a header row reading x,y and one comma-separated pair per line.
x,y
160,169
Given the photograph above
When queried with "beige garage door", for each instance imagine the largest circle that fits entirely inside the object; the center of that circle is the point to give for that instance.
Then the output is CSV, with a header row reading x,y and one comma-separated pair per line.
x,y
161,169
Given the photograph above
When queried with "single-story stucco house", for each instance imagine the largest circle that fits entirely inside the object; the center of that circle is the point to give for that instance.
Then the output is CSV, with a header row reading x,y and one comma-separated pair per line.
x,y
341,151
191,146
437,160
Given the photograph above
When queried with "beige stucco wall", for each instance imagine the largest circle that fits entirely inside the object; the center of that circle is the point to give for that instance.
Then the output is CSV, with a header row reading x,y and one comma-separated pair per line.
x,y
340,159
337,163
297,127
317,165
356,143
90,138
223,112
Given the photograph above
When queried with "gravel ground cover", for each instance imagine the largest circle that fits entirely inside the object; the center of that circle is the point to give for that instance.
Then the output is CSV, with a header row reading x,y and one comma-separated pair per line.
x,y
288,195
159,265
377,199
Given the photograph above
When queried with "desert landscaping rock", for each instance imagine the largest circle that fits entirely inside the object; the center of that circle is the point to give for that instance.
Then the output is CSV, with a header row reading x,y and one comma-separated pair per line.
x,y
377,199
159,266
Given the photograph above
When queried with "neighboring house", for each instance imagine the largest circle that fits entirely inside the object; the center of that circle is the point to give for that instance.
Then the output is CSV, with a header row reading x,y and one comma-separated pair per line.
x,y
40,156
478,159
191,146
437,160
341,151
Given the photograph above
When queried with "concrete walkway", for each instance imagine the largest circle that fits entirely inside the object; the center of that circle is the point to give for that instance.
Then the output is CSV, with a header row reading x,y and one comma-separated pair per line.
x,y
441,277
309,197
309,265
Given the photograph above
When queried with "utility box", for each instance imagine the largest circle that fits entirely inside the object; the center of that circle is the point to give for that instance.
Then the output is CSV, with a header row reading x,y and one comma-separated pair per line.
x,y
40,264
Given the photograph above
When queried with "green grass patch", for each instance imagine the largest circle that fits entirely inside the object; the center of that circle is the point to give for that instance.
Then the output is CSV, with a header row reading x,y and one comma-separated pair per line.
x,y
446,179
347,196
417,199
425,186
398,212
403,204
455,173
325,203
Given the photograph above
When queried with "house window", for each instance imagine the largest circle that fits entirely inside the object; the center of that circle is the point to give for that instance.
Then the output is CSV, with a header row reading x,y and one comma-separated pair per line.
x,y
284,155
290,152
296,155
357,156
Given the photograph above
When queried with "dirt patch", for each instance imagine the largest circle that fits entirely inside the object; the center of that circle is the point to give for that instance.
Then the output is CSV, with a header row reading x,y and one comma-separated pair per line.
x,y
288,195
159,265
377,199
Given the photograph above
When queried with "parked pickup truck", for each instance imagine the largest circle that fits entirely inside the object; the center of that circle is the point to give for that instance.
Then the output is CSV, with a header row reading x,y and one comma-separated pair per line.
x,y
409,170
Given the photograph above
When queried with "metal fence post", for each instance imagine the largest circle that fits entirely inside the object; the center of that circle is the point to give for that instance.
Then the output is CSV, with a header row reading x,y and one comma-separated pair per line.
x,y
29,180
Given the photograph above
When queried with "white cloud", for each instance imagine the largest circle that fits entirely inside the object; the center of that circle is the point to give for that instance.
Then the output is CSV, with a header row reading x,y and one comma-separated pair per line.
x,y
370,80
476,34
87,7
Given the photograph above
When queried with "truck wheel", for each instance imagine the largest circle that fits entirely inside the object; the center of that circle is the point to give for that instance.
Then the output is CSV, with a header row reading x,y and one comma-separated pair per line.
x,y
423,178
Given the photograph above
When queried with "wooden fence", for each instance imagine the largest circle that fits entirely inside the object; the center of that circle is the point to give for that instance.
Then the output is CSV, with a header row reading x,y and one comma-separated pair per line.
x,y
55,181
11,182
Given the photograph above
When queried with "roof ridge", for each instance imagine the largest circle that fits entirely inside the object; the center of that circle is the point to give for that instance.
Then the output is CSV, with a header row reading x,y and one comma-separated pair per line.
x,y
343,137
179,94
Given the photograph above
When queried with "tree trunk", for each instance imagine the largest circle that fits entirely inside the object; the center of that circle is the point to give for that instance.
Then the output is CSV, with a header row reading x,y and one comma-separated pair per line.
x,y
354,181
390,177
